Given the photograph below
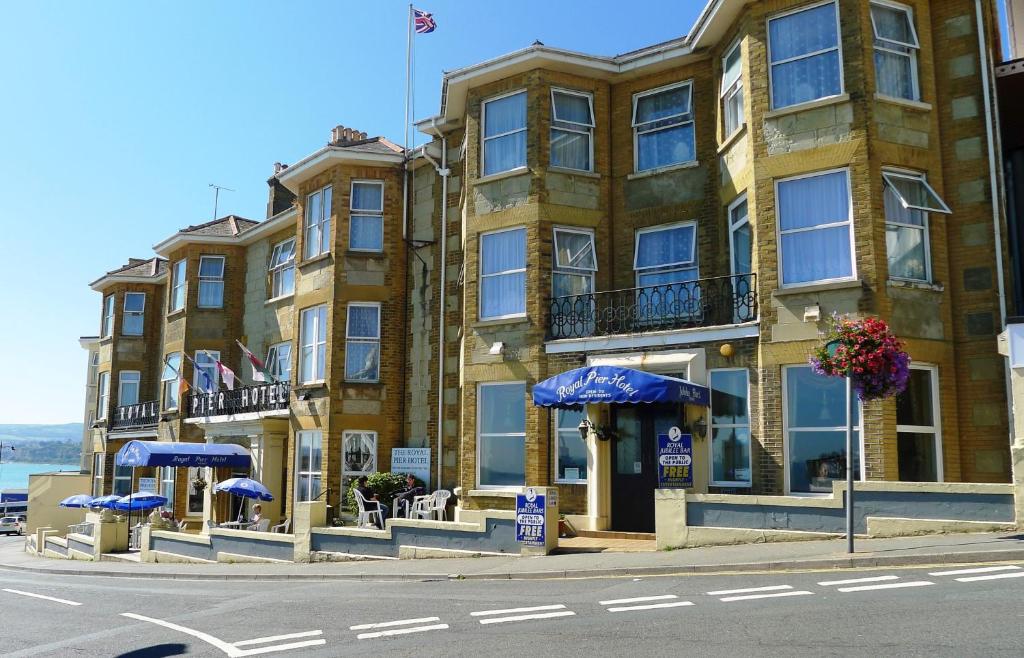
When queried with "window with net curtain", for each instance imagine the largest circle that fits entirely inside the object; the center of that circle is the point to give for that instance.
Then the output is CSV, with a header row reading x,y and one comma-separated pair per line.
x,y
908,198
732,91
211,281
572,126
666,255
896,47
815,227
107,327
805,56
308,467
134,313
169,380
575,263
128,387
313,347
501,438
663,127
317,233
503,274
177,296
366,225
504,133
362,343
571,451
282,269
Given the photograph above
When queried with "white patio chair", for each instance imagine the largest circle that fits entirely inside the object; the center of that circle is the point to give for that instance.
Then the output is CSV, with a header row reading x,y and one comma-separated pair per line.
x,y
437,503
260,526
282,527
364,514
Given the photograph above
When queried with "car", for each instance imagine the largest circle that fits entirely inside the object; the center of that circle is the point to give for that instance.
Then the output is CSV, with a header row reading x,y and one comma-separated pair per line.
x,y
10,525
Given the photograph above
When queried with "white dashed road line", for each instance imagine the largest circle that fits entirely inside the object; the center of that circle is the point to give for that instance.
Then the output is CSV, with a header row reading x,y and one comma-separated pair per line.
x,y
746,590
645,603
651,606
639,599
40,596
278,638
853,581
386,624
407,623
995,576
962,572
234,650
488,613
866,588
491,617
748,597
545,615
401,631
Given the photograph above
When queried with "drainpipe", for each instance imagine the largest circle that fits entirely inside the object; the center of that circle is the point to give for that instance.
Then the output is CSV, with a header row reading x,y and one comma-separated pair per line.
x,y
990,137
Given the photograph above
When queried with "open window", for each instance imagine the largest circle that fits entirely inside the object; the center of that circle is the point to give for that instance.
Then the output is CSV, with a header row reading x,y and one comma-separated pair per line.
x,y
914,193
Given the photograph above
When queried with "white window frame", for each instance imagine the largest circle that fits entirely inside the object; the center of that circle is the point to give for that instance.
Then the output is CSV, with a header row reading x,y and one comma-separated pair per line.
x,y
733,227
320,226
838,47
935,429
857,429
890,174
121,381
712,426
557,269
211,280
484,138
192,495
557,432
167,475
102,394
684,118
572,126
728,91
277,269
676,266
99,467
173,380
107,323
274,358
319,337
178,283
307,495
479,435
480,284
345,435
924,227
915,84
779,232
362,339
209,357
377,213
131,314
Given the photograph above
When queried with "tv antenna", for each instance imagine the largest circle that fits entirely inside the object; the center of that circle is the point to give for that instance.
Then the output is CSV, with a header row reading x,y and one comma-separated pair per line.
x,y
216,196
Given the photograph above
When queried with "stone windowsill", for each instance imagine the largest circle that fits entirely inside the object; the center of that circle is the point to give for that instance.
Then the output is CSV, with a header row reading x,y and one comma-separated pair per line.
x,y
518,319
573,172
732,139
361,382
364,253
315,259
915,285
501,175
817,287
663,170
174,314
310,386
275,300
492,493
809,105
914,105
106,340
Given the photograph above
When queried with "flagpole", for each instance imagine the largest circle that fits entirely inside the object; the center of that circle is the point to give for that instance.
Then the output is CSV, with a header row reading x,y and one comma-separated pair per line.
x,y
405,142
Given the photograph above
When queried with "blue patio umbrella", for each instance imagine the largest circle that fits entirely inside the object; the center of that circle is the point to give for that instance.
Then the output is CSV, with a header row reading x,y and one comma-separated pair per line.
x,y
245,487
140,500
78,500
105,501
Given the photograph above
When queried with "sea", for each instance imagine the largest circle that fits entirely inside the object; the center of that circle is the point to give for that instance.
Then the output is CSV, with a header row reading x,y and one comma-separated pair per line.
x,y
14,475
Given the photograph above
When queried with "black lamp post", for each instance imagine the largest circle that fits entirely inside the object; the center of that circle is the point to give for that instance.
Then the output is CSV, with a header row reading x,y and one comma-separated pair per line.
x,y
831,347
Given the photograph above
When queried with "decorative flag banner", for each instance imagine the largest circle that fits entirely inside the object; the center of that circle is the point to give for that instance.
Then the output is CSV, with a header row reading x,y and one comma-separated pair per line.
x,y
424,21
259,371
209,385
227,375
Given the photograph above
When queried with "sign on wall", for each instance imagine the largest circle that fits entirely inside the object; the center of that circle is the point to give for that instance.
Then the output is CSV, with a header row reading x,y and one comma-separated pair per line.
x,y
412,460
530,517
675,460
147,484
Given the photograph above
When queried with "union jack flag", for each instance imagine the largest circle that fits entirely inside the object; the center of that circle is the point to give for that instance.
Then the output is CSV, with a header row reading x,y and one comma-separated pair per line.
x,y
424,22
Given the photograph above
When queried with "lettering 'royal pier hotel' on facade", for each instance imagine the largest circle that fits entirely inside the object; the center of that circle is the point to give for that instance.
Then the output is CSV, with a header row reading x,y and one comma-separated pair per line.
x,y
698,208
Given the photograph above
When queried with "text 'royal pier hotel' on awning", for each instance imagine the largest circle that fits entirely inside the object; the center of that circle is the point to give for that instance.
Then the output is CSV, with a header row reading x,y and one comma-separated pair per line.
x,y
695,210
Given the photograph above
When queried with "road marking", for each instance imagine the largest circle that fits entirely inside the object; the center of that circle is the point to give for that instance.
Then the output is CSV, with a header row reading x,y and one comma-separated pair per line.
x,y
851,581
231,650
959,572
485,613
40,596
545,615
995,576
639,599
275,638
651,606
773,588
386,624
865,588
748,597
401,631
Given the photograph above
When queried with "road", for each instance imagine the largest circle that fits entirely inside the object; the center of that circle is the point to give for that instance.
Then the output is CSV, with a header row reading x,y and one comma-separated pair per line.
x,y
928,611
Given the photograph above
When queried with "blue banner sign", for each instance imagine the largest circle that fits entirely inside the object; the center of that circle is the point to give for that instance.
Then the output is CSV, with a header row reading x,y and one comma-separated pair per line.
x,y
675,460
530,517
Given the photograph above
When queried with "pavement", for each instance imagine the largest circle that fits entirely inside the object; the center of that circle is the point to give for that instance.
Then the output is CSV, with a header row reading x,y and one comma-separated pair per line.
x,y
773,557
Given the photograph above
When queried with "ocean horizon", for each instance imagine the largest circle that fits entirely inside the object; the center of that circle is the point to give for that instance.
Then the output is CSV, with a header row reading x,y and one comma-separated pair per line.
x,y
14,475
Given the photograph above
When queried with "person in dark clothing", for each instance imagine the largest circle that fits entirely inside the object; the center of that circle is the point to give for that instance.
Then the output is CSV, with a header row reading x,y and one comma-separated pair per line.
x,y
406,496
372,500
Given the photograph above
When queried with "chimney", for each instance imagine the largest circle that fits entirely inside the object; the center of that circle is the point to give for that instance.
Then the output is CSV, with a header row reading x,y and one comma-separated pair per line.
x,y
278,168
342,135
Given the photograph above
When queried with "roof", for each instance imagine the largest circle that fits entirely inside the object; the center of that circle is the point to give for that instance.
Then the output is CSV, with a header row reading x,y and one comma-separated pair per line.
x,y
375,151
225,226
136,270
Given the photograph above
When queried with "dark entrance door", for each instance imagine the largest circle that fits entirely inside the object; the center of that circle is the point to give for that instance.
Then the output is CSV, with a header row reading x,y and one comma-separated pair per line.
x,y
634,462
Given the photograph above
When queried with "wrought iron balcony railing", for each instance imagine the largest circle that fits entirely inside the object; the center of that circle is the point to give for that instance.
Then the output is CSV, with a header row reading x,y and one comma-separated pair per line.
x,y
242,400
699,303
132,417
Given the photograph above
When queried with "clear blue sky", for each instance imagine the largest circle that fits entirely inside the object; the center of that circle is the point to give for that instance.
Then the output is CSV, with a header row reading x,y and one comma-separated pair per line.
x,y
117,115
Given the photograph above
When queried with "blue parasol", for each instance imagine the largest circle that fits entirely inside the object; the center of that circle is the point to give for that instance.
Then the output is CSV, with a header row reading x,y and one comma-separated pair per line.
x,y
78,500
140,500
245,487
105,501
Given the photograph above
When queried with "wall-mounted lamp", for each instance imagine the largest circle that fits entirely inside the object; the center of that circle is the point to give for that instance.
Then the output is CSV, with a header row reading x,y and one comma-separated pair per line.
x,y
586,427
497,349
305,396
165,418
700,428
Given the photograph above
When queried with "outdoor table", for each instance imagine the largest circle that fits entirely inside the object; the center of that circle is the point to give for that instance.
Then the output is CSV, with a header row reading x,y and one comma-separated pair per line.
x,y
231,524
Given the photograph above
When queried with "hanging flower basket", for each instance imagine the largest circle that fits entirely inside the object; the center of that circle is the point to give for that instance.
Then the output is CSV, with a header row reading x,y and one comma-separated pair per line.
x,y
199,484
868,353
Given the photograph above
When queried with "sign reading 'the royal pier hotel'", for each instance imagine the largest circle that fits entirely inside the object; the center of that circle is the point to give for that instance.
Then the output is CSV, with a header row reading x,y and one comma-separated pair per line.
x,y
246,399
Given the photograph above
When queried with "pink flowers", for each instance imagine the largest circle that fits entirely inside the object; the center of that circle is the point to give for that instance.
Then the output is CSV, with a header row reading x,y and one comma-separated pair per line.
x,y
867,352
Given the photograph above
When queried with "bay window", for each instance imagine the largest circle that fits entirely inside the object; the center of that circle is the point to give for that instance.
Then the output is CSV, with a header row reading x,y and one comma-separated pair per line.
x,y
503,274
102,395
279,361
572,130
169,381
730,427
918,431
282,269
896,47
134,317
317,232
805,55
571,449
176,300
574,262
128,387
107,328
663,127
501,435
907,199
313,347
308,465
732,91
362,343
366,223
211,282
815,216
504,133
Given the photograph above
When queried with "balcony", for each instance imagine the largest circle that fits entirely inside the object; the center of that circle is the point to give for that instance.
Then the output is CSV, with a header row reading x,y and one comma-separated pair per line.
x,y
700,303
135,417
254,399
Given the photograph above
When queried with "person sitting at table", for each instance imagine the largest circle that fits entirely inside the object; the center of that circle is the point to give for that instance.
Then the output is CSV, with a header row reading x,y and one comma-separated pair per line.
x,y
406,496
257,514
372,503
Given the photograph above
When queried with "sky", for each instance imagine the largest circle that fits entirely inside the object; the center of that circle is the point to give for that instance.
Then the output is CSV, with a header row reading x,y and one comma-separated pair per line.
x,y
116,116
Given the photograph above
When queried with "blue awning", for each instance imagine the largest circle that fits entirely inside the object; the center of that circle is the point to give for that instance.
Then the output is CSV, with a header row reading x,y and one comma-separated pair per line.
x,y
613,385
164,453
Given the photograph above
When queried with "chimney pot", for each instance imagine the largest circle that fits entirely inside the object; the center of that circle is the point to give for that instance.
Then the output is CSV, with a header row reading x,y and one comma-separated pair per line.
x,y
278,168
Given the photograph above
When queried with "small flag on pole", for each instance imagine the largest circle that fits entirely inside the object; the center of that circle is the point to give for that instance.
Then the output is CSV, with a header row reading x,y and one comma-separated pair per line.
x,y
207,381
227,375
423,21
259,371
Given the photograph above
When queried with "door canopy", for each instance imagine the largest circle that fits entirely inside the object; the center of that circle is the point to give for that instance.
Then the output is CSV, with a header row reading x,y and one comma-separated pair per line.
x,y
164,453
614,385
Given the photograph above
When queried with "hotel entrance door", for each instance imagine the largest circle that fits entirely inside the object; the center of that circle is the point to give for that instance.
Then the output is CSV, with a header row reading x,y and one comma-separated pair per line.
x,y
634,462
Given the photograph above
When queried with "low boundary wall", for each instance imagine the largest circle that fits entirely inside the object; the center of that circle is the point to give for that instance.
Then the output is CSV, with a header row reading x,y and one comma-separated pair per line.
x,y
220,545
